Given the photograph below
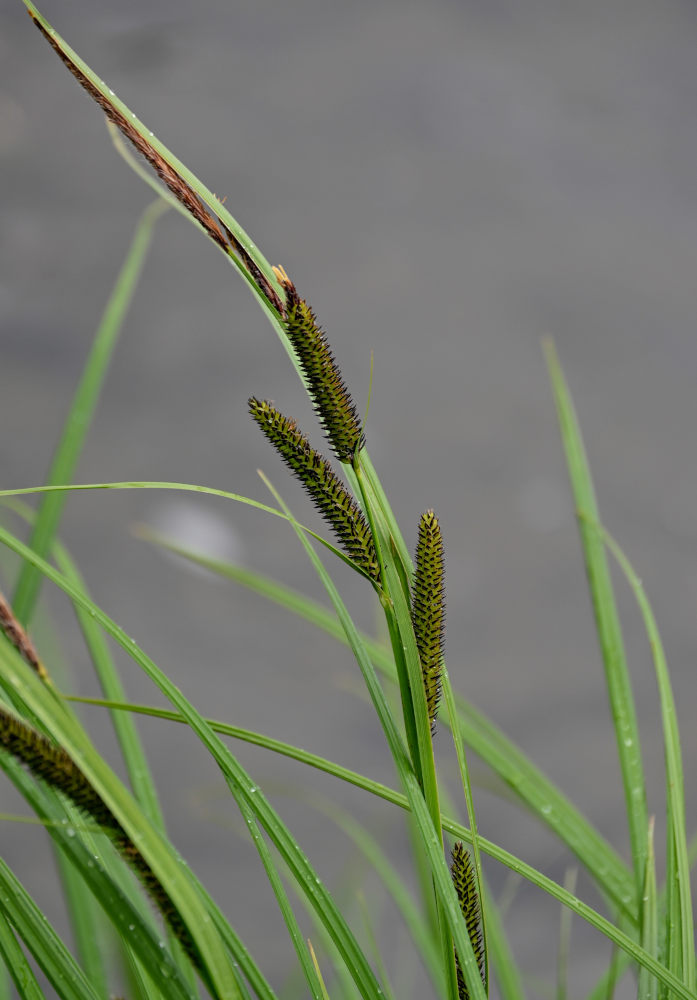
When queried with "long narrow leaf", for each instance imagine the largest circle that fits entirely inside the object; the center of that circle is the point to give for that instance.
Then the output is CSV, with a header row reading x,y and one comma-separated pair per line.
x,y
82,409
606,621
284,906
679,873
54,959
16,964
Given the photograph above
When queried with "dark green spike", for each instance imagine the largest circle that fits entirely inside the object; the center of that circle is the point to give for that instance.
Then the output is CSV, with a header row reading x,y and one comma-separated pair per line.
x,y
428,608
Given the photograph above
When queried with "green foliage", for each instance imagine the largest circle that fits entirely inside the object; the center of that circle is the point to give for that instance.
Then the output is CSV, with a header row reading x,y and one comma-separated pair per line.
x,y
104,831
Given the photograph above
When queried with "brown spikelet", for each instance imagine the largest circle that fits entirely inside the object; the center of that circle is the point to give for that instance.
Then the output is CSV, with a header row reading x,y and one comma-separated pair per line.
x,y
327,492
181,189
462,872
428,609
50,763
332,401
17,635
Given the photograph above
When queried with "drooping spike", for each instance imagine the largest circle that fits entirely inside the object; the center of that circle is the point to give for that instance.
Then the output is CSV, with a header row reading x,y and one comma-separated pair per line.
x,y
327,492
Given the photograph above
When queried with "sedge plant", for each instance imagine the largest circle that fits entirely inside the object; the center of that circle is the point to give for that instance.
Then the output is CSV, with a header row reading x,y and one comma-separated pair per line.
x,y
112,848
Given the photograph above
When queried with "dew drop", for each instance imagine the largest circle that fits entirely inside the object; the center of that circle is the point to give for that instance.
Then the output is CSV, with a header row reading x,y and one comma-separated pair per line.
x,y
546,810
70,832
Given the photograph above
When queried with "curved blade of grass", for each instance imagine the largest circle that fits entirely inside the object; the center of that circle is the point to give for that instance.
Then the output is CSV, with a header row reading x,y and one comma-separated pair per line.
x,y
532,787
394,884
370,919
458,830
84,923
565,917
432,842
503,966
182,488
15,962
305,959
82,409
53,958
678,866
238,780
648,987
606,621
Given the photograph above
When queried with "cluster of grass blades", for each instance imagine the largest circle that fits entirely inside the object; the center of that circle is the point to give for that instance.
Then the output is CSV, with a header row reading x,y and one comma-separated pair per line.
x,y
173,938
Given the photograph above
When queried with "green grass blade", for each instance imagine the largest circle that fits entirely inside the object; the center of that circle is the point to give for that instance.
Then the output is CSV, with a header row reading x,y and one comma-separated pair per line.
x,y
565,918
529,784
607,623
53,958
304,958
393,883
84,923
371,917
503,966
678,866
82,409
15,962
183,488
648,987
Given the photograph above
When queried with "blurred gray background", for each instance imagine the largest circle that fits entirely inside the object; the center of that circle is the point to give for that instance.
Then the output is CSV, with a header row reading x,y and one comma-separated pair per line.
x,y
447,183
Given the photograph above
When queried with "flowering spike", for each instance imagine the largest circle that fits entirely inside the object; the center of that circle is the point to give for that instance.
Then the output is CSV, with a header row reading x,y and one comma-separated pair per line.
x,y
332,401
428,609
327,492
462,872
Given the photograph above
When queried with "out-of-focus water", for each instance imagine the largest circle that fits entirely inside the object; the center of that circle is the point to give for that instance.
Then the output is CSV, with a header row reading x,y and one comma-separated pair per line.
x,y
447,183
